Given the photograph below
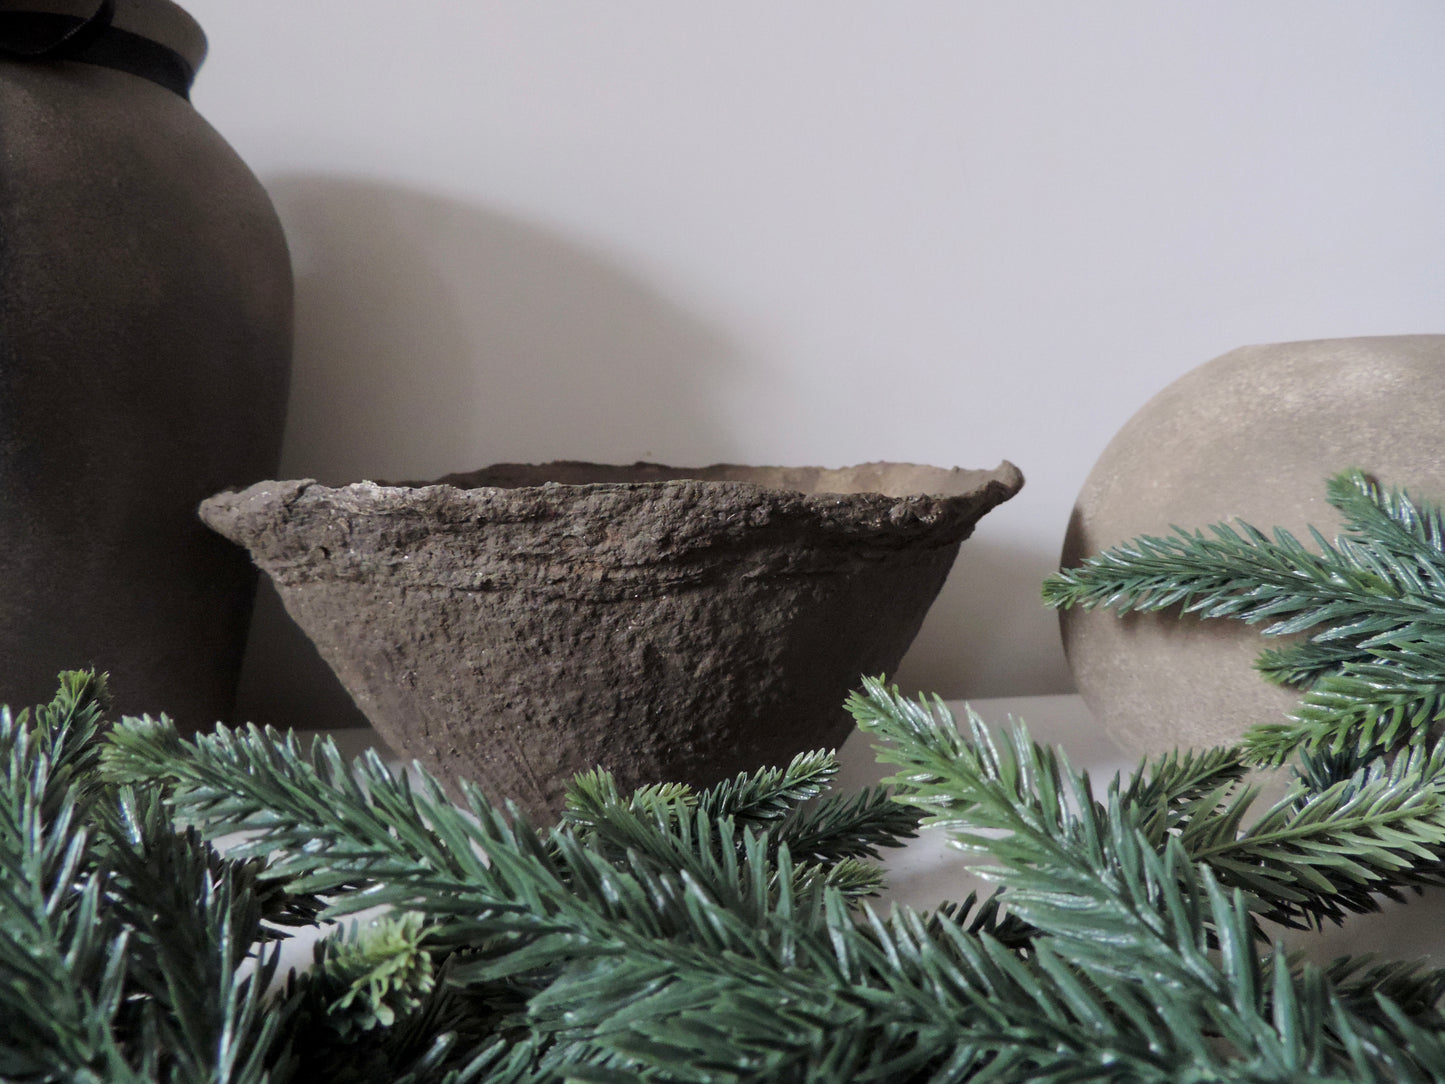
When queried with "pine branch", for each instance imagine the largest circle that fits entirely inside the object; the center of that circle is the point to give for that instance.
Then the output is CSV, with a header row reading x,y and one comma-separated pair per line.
x,y
384,971
762,797
822,837
59,741
1307,661
1386,575
1246,575
317,815
62,957
1021,808
1364,708
840,827
192,924
337,829
714,953
1390,519
1374,600
1409,985
1316,856
672,935
1316,771
120,947
594,798
1173,791
376,1005
1122,909
985,918
1313,857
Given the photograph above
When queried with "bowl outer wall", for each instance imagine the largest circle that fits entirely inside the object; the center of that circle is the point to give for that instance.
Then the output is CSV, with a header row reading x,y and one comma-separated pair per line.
x,y
664,630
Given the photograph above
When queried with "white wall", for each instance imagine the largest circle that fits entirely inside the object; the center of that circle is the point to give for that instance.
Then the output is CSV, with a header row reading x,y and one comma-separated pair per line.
x,y
821,231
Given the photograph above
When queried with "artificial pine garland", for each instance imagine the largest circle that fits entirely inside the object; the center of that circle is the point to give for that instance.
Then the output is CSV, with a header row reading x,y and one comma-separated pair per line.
x,y
1373,672
725,935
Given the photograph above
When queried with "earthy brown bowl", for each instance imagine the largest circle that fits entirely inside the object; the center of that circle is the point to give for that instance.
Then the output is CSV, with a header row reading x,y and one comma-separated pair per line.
x,y
520,624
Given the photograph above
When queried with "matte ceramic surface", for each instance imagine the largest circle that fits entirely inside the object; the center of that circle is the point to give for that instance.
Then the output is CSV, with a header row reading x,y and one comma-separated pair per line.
x,y
145,336
1252,435
518,625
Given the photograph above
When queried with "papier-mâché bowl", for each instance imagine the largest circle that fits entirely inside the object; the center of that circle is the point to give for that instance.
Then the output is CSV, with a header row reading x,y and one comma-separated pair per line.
x,y
520,624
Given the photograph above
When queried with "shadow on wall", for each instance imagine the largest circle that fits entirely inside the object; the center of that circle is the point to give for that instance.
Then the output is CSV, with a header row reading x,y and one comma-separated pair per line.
x,y
435,336
981,637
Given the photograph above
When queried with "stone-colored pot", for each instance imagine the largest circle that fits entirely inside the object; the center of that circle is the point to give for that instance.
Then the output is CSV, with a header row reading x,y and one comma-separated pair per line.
x,y
521,624
1252,435
145,337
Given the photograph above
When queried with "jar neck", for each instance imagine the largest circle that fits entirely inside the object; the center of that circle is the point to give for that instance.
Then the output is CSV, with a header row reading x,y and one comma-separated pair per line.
x,y
155,39
166,24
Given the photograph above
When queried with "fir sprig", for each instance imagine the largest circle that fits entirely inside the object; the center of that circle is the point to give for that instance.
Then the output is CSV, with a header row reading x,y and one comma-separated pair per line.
x,y
688,949
1120,903
1373,601
1312,857
121,941
623,897
723,935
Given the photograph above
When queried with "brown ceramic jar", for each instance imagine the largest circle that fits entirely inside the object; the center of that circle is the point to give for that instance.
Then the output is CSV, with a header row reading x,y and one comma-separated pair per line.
x,y
145,338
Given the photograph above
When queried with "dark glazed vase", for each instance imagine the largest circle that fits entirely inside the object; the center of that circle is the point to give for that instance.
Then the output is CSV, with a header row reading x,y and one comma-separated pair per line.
x,y
145,341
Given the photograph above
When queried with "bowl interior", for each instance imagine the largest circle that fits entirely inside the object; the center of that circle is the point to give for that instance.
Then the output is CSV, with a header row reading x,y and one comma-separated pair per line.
x,y
889,479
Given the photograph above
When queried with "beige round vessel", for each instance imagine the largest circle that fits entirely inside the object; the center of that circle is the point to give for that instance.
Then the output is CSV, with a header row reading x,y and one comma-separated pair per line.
x,y
1251,436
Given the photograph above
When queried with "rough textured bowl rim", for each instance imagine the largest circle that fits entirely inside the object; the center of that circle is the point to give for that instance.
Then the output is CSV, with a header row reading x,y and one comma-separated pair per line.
x,y
967,481
914,517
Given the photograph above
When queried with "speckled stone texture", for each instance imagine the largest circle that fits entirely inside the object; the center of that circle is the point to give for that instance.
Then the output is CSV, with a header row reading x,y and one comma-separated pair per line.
x,y
664,624
1252,435
145,342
